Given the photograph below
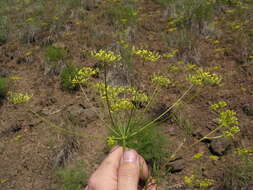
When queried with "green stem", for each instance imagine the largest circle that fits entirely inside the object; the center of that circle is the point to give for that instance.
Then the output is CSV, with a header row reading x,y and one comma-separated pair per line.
x,y
194,144
107,99
152,98
62,129
115,132
159,117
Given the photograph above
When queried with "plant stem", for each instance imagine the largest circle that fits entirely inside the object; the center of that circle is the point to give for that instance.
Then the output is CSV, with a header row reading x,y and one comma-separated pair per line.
x,y
115,132
106,95
194,144
152,98
159,117
62,129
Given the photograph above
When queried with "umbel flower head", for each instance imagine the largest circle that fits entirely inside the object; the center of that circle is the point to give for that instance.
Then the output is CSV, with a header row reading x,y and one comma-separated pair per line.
x,y
161,80
146,54
83,75
120,97
105,56
204,78
18,98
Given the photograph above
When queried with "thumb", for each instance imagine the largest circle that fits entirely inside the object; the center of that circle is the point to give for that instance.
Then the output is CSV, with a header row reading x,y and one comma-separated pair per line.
x,y
129,171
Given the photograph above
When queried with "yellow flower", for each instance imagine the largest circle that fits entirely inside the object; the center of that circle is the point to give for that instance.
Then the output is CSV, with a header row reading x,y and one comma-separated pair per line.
x,y
198,155
83,75
147,55
18,98
111,141
15,77
161,80
105,56
189,180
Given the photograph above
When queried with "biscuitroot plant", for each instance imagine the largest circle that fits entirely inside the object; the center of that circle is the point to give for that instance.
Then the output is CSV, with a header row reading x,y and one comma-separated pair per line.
x,y
126,107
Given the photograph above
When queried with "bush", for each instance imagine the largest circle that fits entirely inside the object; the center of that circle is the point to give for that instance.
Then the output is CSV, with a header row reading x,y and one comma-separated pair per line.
x,y
3,87
67,76
72,178
54,54
151,144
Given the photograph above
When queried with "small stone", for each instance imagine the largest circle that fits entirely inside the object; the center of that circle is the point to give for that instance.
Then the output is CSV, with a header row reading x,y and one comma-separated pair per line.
x,y
81,116
248,109
176,165
4,72
219,147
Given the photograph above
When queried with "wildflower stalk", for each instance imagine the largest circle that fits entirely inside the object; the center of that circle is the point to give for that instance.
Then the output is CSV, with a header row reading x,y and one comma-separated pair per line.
x,y
206,137
115,132
194,144
159,117
106,96
151,99
129,121
60,128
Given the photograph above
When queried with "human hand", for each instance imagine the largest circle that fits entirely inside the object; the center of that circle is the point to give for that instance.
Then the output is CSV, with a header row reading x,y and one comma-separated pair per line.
x,y
120,171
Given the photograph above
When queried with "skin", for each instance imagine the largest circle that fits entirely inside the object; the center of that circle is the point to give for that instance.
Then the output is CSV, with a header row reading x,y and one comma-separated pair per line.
x,y
120,171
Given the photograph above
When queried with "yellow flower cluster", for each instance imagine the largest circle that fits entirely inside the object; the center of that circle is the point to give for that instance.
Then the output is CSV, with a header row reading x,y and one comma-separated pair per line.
x,y
170,54
213,157
83,75
204,78
105,56
111,141
198,156
219,105
243,151
122,104
121,98
147,55
18,98
194,181
228,120
161,80
188,180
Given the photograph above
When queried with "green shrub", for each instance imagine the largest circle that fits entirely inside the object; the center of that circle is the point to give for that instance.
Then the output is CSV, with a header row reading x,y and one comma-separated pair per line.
x,y
67,76
72,178
121,13
151,144
54,54
3,87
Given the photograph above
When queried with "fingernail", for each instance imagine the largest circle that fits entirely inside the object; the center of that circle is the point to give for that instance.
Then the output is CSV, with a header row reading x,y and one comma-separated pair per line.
x,y
130,156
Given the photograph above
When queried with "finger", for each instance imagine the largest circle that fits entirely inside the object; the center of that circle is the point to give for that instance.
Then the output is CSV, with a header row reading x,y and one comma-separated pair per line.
x,y
144,173
106,175
152,185
114,148
129,171
112,161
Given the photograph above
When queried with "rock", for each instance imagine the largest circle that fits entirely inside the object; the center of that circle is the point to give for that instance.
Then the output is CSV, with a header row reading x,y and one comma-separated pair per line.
x,y
158,110
176,165
248,109
200,132
219,147
80,115
4,72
